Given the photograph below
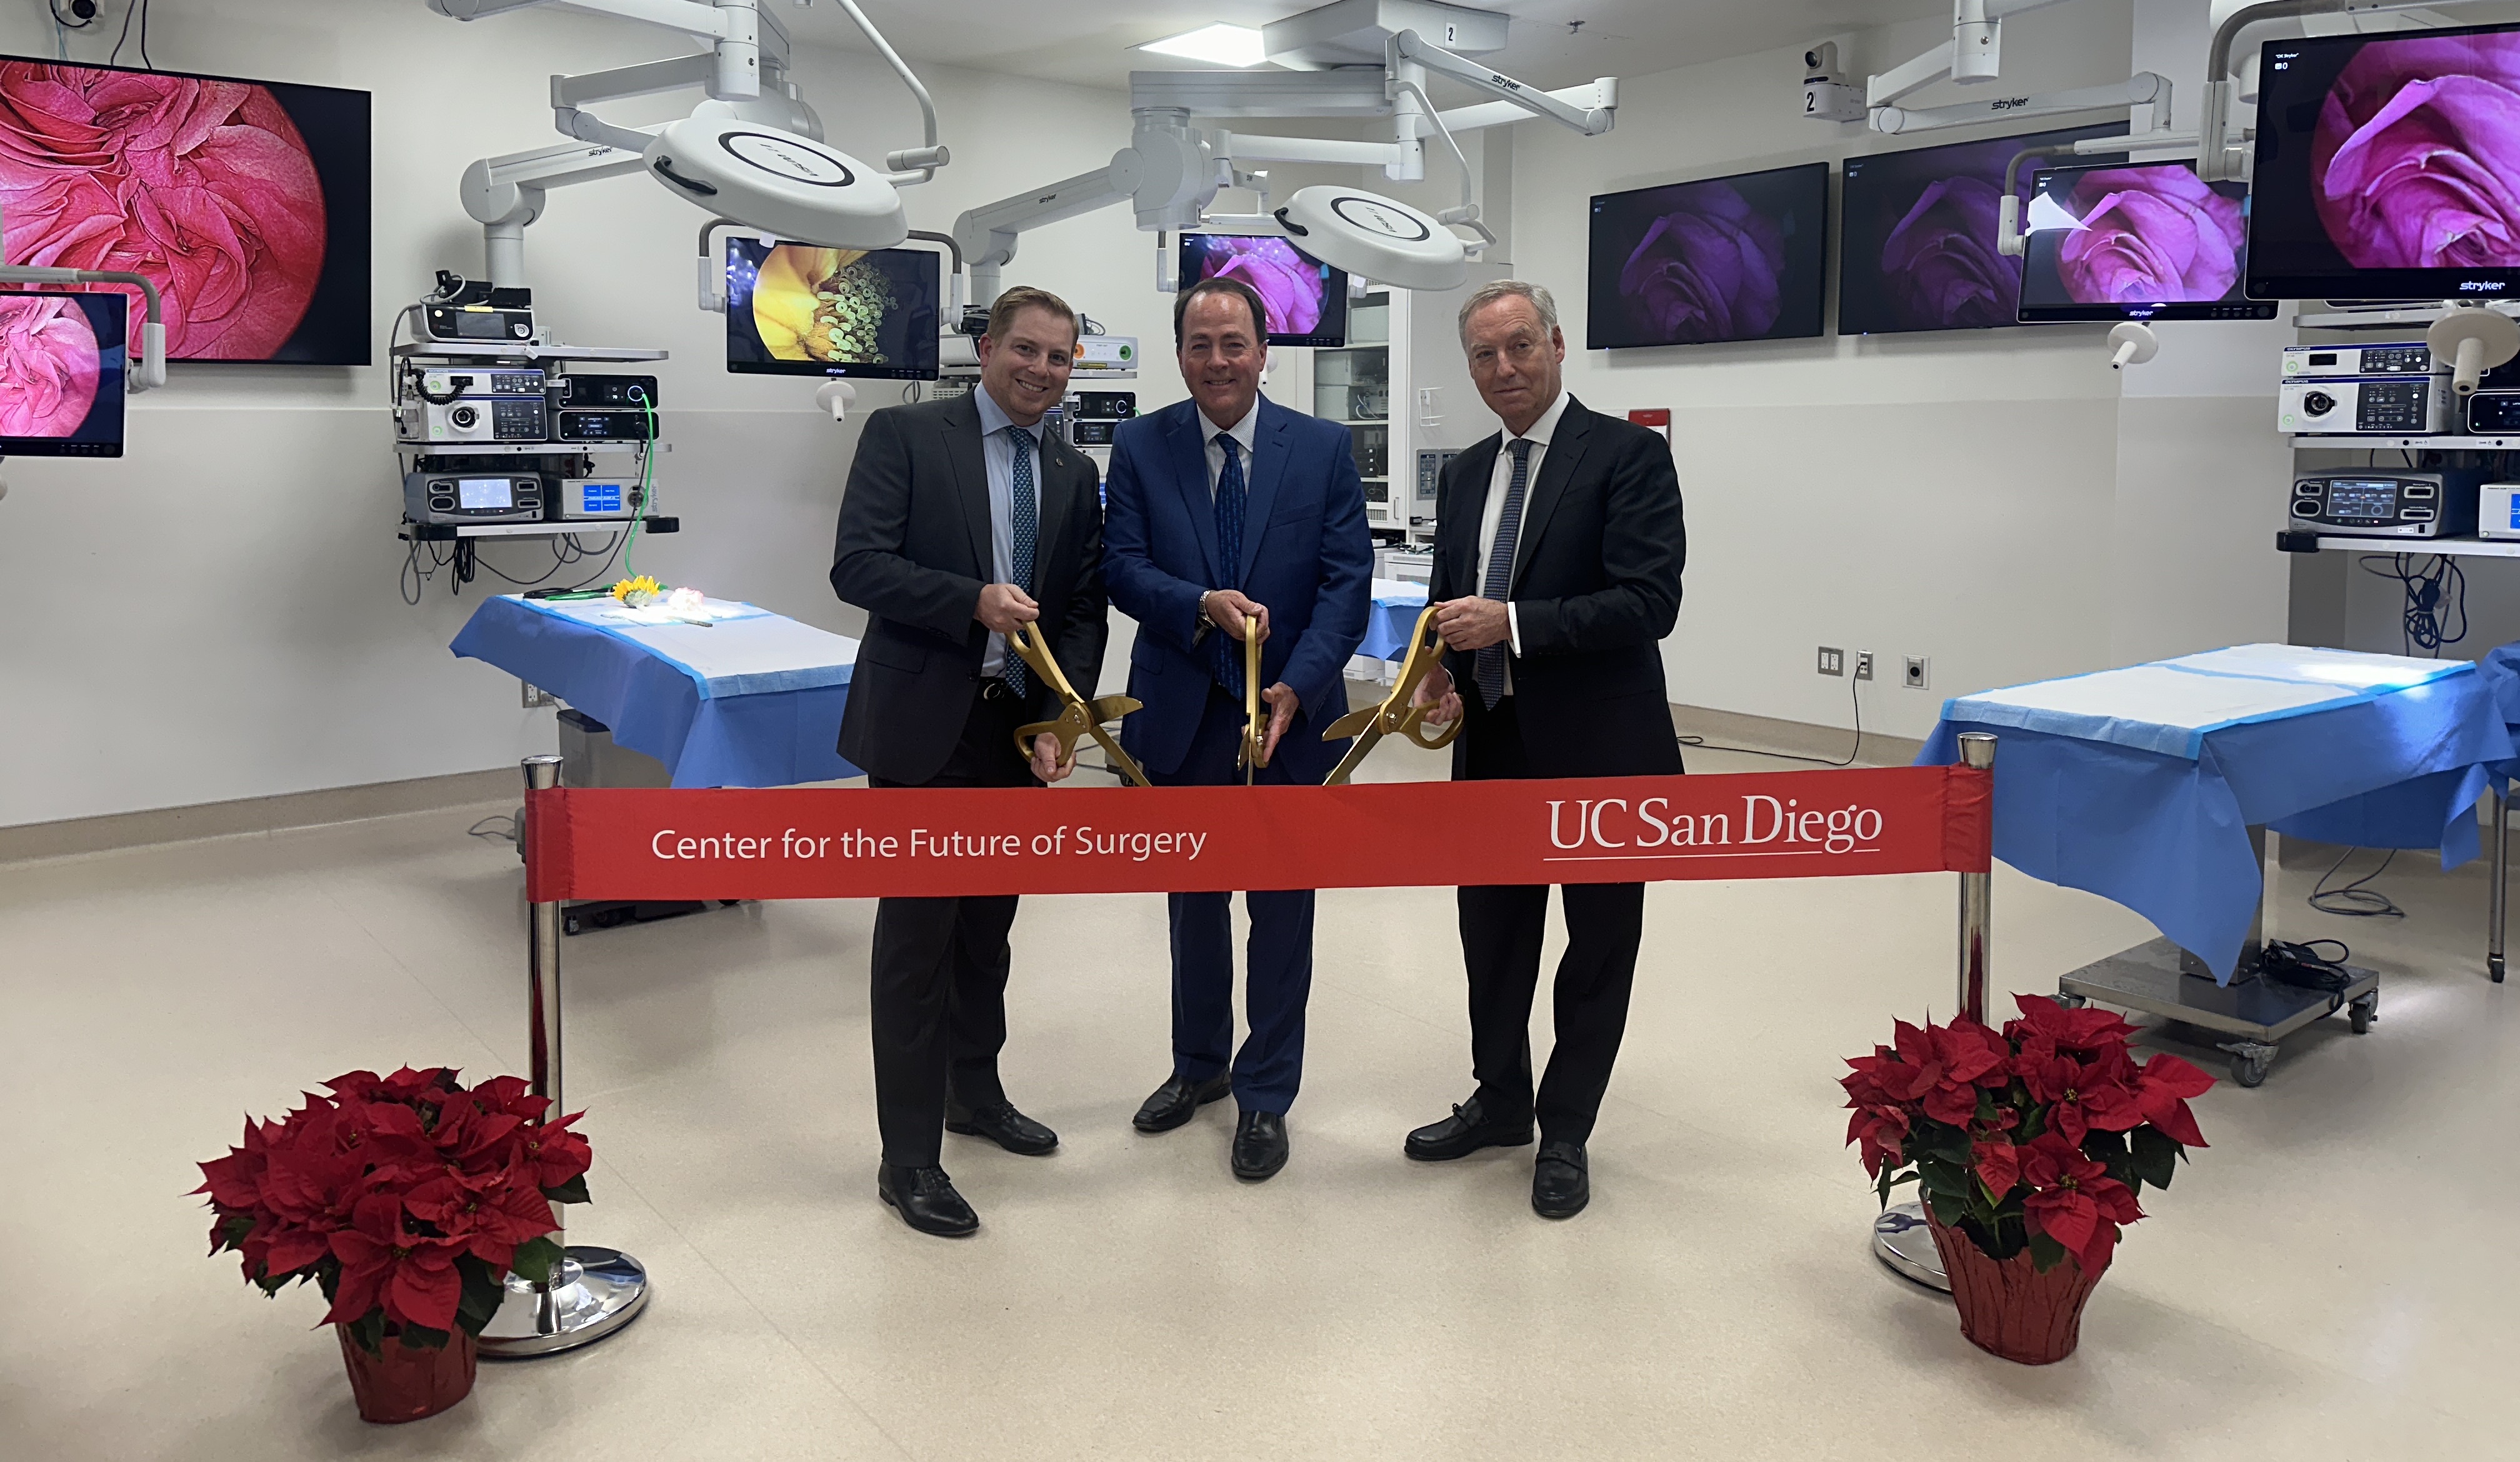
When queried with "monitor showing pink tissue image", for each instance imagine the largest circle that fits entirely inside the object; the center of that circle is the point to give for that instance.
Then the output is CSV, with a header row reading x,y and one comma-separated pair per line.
x,y
2136,240
2388,167
1699,263
1306,299
245,202
61,374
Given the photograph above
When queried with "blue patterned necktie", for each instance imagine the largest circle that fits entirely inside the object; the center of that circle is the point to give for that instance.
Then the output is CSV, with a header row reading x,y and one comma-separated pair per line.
x,y
1024,514
1225,651
1489,663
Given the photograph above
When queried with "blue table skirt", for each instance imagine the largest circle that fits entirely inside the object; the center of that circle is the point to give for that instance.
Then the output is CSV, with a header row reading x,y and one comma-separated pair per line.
x,y
1390,623
2167,836
661,706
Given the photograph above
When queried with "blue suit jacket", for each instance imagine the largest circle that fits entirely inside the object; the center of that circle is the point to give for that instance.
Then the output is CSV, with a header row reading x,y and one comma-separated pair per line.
x,y
1306,554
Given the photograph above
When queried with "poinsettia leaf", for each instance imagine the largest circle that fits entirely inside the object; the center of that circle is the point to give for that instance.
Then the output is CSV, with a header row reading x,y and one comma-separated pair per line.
x,y
2046,1254
368,1331
572,1191
484,1290
534,1259
1949,1211
2155,1155
421,1338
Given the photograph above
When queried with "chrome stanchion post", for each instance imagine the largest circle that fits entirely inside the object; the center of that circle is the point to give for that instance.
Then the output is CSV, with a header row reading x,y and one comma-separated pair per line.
x,y
593,1292
2499,906
1900,1237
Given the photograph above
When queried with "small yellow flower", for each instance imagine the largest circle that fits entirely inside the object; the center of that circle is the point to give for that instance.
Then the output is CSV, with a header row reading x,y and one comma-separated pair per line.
x,y
643,585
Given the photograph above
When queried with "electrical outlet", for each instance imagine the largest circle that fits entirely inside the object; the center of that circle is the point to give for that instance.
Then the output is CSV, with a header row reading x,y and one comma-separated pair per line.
x,y
1862,664
1916,672
1832,660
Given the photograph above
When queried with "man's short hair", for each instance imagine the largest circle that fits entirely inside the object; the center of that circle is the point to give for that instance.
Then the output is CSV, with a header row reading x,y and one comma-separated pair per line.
x,y
1507,289
1249,295
1014,302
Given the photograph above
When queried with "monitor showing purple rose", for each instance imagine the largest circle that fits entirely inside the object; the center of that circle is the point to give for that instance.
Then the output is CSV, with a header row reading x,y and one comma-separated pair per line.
x,y
1306,299
1735,258
61,374
245,202
2388,167
2134,241
1916,247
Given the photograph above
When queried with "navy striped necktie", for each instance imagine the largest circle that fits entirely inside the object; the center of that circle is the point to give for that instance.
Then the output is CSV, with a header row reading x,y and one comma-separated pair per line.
x,y
1224,653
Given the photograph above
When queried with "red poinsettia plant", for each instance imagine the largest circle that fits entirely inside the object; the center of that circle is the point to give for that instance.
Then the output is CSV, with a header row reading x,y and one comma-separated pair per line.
x,y
2038,1136
407,1199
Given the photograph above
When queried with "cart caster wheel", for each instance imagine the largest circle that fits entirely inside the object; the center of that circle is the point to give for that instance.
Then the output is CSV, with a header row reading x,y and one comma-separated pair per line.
x,y
2493,966
2071,1002
2359,1015
2249,1071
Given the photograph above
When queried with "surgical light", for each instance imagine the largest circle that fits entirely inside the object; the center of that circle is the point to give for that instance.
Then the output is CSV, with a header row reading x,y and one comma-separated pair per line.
x,y
1375,238
777,182
1218,45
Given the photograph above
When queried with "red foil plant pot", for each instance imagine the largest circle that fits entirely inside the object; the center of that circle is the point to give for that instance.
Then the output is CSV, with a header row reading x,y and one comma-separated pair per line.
x,y
406,1200
2029,1146
401,1382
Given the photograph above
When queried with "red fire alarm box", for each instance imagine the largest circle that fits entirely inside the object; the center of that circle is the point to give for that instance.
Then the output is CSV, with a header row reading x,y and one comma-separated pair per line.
x,y
1656,417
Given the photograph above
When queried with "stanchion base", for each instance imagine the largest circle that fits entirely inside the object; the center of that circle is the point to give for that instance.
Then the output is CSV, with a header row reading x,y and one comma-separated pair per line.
x,y
1901,1239
597,1292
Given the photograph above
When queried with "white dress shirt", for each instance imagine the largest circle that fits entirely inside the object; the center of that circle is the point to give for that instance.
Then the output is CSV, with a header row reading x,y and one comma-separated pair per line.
x,y
1492,513
997,450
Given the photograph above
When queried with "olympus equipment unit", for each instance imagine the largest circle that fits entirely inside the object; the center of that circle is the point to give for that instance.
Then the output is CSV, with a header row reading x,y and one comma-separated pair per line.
x,y
2380,503
466,497
2346,362
2401,406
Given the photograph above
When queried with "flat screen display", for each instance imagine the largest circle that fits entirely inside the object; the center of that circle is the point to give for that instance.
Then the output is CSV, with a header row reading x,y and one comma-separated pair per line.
x,y
2362,499
1916,234
1732,258
484,492
1306,299
2388,167
245,202
61,374
2136,240
799,310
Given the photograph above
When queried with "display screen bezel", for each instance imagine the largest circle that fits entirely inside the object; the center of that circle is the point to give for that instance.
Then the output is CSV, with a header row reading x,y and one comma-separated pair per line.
x,y
109,413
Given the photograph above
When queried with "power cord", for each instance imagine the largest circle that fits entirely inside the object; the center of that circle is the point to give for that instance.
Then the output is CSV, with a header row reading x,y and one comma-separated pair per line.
x,y
2354,900
1853,698
2303,966
138,8
2436,597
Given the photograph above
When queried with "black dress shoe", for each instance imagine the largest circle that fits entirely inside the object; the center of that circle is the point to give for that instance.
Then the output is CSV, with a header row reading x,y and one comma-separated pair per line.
x,y
1003,1124
1560,1180
926,1199
1177,1101
1259,1146
1464,1132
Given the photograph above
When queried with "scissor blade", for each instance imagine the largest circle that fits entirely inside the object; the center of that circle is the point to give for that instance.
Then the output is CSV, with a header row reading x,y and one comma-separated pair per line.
x,y
1354,759
1353,722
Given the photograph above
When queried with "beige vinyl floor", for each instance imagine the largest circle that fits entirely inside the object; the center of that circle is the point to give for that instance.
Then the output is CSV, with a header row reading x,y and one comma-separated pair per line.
x,y
2323,1282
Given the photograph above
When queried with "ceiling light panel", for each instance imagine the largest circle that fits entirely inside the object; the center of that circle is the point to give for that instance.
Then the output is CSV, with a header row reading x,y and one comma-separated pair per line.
x,y
1217,45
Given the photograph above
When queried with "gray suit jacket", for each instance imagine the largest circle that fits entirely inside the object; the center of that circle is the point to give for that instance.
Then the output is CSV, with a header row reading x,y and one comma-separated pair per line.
x,y
913,553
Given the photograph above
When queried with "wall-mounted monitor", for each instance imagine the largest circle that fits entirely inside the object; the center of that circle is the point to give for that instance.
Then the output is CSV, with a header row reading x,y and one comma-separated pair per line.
x,y
2136,240
1732,258
800,309
2388,167
1916,234
61,374
1306,299
245,201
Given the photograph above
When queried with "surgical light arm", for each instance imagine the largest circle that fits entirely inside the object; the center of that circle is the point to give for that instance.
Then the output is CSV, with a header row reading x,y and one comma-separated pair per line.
x,y
1591,121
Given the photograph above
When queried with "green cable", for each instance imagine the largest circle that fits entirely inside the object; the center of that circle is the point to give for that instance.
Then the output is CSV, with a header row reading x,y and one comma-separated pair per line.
x,y
647,490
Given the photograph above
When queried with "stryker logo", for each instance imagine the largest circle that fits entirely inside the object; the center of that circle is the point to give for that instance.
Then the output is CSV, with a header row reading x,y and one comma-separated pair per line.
x,y
1504,84
2007,104
2481,286
1610,823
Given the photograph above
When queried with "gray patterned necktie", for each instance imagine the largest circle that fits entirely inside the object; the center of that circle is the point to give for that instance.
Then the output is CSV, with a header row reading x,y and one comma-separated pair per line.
x,y
1489,663
1025,515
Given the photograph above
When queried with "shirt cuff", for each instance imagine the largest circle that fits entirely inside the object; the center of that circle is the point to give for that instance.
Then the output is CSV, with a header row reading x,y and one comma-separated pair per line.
x,y
1199,622
1514,629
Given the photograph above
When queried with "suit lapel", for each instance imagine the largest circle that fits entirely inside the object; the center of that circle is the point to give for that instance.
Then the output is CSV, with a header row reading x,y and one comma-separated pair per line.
x,y
1057,463
971,481
1556,467
1190,477
1476,470
1267,468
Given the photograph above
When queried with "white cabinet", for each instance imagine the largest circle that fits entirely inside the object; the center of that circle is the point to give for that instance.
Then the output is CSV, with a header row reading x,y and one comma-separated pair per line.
x,y
1403,391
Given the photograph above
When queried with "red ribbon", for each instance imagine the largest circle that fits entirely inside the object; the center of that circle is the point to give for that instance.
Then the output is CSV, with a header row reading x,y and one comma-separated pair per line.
x,y
585,844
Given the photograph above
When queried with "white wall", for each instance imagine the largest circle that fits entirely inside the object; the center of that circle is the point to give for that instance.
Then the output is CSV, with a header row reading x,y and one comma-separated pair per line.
x,y
216,616
1981,498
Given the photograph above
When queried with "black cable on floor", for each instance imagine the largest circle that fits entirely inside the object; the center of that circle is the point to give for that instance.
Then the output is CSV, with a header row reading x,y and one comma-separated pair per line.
x,y
2352,900
1853,696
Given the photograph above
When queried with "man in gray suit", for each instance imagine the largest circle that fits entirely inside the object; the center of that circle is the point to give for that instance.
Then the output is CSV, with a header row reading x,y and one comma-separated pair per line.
x,y
962,522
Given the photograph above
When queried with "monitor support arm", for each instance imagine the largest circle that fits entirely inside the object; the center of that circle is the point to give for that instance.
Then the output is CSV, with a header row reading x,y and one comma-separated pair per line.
x,y
2217,159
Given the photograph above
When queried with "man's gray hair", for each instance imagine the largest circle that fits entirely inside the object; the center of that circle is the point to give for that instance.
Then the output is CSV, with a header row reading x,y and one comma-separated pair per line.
x,y
1507,289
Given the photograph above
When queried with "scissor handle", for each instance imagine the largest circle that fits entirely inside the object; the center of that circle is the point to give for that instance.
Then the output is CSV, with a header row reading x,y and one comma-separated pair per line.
x,y
1413,726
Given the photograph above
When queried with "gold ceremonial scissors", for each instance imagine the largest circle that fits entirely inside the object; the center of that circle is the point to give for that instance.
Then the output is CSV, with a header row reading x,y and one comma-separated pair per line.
x,y
1077,716
1396,715
1255,729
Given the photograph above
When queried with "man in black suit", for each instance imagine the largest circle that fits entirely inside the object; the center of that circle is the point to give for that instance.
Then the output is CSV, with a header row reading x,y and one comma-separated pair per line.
x,y
959,523
1559,548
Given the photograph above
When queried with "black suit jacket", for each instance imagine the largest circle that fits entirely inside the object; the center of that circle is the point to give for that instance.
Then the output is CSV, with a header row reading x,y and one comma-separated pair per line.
x,y
1595,587
913,553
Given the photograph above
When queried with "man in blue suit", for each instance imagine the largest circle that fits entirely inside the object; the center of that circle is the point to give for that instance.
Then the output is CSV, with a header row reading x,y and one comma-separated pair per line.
x,y
1229,516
